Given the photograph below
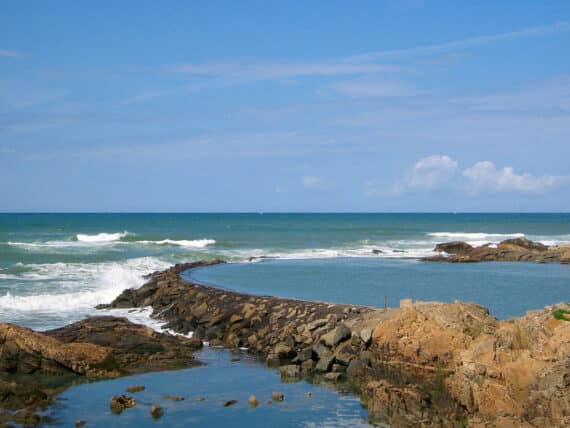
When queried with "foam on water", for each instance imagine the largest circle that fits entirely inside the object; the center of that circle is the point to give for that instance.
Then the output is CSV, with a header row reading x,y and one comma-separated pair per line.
x,y
101,237
196,243
69,291
476,235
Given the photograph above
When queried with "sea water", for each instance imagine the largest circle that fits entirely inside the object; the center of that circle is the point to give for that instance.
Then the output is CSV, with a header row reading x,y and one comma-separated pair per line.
x,y
54,268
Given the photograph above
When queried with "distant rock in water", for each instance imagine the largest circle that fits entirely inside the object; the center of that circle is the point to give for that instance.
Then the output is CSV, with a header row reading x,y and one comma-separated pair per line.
x,y
454,247
510,250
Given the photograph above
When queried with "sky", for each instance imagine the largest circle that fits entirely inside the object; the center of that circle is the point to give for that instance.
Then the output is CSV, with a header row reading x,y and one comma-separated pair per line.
x,y
328,106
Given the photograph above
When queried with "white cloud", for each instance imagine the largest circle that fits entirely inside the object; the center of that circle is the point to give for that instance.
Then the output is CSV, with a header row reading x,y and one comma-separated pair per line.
x,y
312,182
432,171
484,176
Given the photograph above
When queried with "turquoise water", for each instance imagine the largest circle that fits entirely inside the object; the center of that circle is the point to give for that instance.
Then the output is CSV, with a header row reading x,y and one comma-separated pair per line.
x,y
219,381
54,268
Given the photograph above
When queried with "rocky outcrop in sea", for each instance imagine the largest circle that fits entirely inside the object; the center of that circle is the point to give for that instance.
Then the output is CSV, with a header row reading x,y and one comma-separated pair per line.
x,y
510,250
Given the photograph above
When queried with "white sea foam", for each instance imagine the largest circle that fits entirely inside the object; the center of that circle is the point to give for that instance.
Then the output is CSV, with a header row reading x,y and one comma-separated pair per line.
x,y
480,236
259,255
196,243
91,285
101,237
143,316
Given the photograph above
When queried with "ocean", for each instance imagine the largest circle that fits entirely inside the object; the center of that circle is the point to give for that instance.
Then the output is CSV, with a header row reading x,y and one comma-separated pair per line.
x,y
54,268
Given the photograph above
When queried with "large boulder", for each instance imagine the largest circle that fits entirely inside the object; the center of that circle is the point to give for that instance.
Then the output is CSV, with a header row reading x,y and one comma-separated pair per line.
x,y
522,244
454,247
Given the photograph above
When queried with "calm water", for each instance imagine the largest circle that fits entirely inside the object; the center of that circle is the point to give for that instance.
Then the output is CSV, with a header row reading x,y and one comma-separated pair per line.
x,y
219,381
507,289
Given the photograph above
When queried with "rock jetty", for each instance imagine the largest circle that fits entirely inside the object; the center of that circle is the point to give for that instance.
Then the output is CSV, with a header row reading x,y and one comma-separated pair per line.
x,y
423,364
510,250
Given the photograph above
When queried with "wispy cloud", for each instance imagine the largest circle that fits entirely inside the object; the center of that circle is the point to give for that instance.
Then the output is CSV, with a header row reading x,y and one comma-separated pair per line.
x,y
265,70
145,96
10,54
312,182
558,27
375,89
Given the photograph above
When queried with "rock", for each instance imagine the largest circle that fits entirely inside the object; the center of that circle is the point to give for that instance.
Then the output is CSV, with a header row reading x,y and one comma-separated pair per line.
x,y
338,368
510,250
522,243
357,369
277,396
229,403
253,401
80,423
316,324
321,350
325,363
454,247
334,337
366,336
121,402
401,406
344,353
156,411
333,376
304,354
290,371
307,366
135,388
283,351
172,397
377,251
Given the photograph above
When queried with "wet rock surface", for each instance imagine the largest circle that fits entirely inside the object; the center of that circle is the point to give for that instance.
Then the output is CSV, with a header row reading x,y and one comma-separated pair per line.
x,y
510,250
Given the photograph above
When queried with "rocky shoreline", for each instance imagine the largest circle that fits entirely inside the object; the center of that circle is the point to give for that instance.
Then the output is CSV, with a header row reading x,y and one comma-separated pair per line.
x,y
510,250
35,366
423,364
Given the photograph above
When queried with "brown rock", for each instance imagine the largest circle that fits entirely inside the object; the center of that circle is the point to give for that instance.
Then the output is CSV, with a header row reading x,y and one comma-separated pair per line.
x,y
156,411
277,396
121,402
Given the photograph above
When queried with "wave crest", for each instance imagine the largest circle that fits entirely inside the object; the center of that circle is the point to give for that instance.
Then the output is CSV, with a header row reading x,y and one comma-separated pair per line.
x,y
101,237
196,243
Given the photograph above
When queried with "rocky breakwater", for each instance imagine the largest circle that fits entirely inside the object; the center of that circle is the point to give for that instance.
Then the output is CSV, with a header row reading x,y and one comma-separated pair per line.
x,y
423,364
36,365
510,250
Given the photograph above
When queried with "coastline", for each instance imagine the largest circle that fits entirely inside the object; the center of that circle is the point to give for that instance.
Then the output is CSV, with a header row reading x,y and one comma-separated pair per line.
x,y
408,364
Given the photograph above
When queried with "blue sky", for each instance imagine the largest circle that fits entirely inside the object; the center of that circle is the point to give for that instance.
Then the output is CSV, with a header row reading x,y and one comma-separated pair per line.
x,y
285,106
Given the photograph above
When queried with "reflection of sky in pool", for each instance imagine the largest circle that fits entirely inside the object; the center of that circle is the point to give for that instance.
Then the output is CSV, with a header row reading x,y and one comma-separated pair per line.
x,y
507,289
218,381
